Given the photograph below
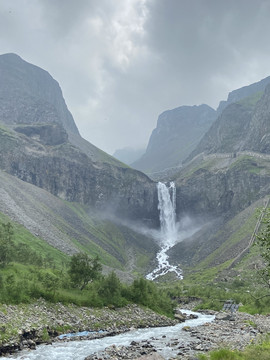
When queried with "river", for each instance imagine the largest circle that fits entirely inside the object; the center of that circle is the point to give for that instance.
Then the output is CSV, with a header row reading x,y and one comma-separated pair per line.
x,y
78,350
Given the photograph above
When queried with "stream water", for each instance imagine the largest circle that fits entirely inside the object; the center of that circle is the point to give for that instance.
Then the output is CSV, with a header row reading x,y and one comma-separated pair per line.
x,y
78,350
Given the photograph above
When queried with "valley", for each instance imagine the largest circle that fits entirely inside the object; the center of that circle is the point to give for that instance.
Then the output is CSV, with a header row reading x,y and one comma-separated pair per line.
x,y
182,225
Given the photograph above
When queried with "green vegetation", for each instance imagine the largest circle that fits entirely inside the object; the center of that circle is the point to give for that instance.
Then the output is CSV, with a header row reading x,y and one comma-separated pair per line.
x,y
213,293
27,274
247,163
259,351
102,238
252,100
263,241
83,269
6,244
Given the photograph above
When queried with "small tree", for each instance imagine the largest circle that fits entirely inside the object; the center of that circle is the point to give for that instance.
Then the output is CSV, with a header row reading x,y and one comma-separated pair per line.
x,y
110,290
83,269
6,244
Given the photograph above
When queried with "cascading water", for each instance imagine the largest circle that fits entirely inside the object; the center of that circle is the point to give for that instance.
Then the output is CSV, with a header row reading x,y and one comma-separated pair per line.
x,y
168,230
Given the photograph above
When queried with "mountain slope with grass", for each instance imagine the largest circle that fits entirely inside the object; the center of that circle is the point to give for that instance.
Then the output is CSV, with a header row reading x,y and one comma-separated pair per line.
x,y
242,126
70,227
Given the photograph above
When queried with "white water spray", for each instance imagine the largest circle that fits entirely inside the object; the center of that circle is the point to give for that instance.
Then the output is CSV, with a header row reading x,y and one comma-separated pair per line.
x,y
168,230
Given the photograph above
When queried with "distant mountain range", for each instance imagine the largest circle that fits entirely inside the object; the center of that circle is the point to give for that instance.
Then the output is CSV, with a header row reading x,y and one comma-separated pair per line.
x,y
128,155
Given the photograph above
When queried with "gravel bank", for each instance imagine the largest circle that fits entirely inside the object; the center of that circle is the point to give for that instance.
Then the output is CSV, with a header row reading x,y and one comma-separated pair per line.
x,y
25,326
225,331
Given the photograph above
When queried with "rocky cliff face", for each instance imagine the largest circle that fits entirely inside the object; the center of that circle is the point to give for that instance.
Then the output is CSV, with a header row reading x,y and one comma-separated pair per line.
x,y
244,92
220,195
222,186
258,137
228,133
177,133
30,95
243,125
40,144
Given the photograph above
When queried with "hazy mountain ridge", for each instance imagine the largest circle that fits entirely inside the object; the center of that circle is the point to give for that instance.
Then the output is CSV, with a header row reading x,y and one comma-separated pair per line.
x,y
177,133
128,155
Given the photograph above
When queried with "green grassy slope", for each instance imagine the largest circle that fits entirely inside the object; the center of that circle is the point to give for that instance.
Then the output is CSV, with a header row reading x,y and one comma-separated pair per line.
x,y
70,227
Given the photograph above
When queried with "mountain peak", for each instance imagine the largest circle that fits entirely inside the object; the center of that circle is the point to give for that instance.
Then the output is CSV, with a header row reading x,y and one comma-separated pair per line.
x,y
177,133
34,88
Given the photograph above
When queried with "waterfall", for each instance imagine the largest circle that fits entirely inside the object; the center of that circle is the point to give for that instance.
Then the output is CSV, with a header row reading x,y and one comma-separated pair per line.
x,y
168,230
167,212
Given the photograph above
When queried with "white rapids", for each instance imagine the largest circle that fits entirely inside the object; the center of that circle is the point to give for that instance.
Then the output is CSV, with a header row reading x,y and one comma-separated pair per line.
x,y
160,337
168,230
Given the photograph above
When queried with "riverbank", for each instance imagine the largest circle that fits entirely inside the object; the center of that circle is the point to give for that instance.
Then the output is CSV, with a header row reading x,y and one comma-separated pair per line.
x,y
27,325
226,331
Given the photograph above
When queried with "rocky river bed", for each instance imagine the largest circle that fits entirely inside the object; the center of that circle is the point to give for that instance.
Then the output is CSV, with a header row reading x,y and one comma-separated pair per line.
x,y
26,326
229,331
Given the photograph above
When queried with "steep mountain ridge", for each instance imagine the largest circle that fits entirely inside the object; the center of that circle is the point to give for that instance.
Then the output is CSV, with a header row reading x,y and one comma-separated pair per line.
x,y
225,179
177,133
243,125
40,144
184,132
244,92
30,95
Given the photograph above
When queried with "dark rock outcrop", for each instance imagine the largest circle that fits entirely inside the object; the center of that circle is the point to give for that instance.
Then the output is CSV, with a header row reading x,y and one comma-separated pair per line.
x,y
46,134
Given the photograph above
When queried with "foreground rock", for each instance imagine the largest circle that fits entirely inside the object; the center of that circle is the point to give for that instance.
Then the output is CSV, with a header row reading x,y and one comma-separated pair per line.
x,y
27,325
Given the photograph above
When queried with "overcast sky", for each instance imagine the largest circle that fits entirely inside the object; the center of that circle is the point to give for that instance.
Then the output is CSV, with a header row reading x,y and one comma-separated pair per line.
x,y
120,63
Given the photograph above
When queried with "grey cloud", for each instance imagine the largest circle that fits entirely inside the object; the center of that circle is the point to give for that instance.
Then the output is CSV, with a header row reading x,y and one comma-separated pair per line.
x,y
121,63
